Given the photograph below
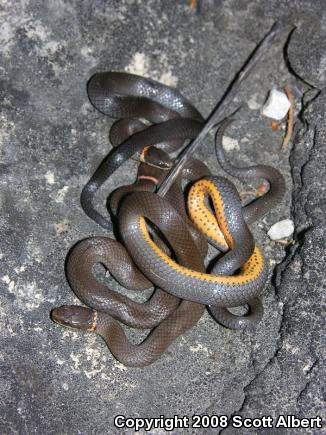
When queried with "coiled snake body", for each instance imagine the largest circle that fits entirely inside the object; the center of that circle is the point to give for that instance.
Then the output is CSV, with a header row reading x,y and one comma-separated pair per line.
x,y
183,286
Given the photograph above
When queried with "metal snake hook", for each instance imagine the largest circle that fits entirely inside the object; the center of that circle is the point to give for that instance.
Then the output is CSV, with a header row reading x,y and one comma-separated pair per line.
x,y
220,110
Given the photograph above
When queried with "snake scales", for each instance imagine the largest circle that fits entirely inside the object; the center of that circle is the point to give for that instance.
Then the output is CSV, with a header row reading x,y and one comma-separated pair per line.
x,y
162,245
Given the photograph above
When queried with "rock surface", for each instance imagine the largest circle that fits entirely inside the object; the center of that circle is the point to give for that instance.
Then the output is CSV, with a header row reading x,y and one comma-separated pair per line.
x,y
58,381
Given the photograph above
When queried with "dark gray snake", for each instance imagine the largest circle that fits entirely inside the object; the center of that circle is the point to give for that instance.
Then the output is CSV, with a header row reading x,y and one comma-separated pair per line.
x,y
183,286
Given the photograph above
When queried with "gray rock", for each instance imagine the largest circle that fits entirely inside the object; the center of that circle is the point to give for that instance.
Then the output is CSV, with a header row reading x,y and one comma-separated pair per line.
x,y
307,52
292,381
57,381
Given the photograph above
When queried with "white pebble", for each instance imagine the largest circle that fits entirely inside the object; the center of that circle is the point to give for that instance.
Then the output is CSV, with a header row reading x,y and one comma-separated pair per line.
x,y
277,105
230,144
281,230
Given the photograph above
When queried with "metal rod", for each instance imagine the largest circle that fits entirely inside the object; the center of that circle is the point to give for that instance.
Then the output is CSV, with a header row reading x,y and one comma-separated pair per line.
x,y
220,110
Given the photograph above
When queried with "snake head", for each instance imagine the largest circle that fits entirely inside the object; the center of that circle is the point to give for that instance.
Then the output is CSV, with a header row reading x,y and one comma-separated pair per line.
x,y
156,157
74,316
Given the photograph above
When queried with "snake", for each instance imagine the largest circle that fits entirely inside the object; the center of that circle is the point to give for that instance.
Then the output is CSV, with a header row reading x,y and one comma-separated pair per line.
x,y
165,314
126,97
183,278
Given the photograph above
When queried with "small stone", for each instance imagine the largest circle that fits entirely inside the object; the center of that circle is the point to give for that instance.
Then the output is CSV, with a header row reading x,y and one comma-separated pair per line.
x,y
281,230
277,105
230,144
